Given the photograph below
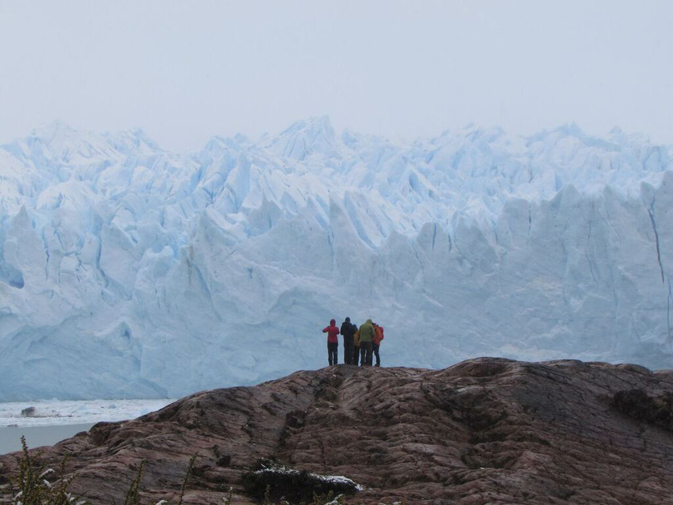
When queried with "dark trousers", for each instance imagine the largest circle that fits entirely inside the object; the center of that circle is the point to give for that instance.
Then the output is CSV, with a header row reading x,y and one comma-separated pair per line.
x,y
348,350
375,349
365,353
332,356
356,355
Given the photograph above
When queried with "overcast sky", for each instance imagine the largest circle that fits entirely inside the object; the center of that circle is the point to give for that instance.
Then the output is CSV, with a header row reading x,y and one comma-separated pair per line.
x,y
184,71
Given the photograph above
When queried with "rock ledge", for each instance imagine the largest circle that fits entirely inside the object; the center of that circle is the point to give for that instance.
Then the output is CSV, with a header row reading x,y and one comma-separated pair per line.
x,y
484,431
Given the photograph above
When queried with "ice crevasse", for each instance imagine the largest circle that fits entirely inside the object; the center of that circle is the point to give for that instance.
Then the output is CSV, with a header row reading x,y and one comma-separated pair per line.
x,y
128,271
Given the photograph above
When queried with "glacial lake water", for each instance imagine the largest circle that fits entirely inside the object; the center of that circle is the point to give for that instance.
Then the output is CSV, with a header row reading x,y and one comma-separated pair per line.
x,y
37,436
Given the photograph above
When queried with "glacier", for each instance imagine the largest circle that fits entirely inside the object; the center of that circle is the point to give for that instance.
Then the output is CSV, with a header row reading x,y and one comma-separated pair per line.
x,y
129,271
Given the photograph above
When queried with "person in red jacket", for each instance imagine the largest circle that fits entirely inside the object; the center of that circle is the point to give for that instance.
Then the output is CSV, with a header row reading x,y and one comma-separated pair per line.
x,y
332,342
376,342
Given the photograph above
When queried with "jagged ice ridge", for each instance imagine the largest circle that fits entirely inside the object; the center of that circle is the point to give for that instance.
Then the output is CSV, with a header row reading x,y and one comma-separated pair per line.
x,y
130,271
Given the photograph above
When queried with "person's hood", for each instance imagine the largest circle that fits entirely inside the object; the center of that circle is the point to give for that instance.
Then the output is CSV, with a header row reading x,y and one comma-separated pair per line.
x,y
332,322
369,321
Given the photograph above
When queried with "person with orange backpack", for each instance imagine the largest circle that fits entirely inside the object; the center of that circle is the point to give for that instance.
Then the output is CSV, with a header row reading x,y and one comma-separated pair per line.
x,y
376,342
366,337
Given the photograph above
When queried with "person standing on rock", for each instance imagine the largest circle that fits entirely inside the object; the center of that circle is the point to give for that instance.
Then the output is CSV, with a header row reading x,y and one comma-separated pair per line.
x,y
332,342
376,342
366,336
356,346
348,331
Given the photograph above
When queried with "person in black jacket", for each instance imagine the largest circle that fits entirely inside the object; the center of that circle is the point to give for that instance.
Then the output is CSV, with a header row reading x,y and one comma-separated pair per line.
x,y
348,330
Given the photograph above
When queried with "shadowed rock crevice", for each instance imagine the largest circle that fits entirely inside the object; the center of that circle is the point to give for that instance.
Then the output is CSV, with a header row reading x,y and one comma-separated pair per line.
x,y
656,410
485,431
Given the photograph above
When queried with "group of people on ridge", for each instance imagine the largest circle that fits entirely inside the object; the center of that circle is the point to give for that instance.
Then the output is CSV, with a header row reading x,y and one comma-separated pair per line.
x,y
360,344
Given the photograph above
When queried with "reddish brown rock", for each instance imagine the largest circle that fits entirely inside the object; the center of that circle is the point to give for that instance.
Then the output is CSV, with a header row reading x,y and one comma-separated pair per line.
x,y
485,431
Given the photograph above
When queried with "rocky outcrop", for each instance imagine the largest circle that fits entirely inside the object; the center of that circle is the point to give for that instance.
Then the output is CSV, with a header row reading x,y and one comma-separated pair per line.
x,y
485,431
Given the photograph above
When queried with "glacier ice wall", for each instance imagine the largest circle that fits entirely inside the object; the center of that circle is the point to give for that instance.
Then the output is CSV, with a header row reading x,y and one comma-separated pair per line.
x,y
130,271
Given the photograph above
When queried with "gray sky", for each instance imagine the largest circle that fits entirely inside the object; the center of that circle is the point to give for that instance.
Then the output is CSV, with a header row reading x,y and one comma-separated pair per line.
x,y
185,71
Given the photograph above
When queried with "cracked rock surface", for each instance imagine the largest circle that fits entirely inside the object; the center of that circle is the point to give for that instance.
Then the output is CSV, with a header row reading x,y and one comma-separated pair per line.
x,y
484,431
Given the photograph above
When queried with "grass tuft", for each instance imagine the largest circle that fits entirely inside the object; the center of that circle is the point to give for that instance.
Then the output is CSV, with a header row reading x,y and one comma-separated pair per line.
x,y
33,487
